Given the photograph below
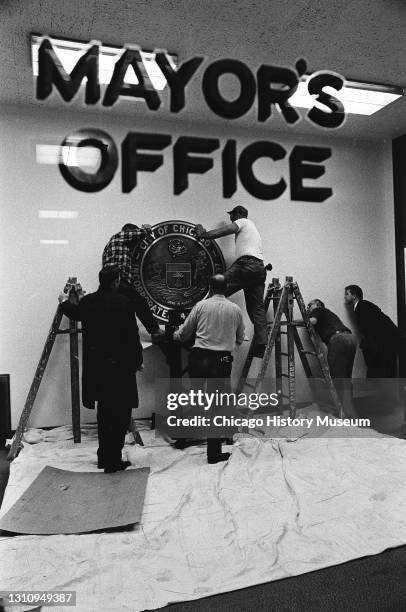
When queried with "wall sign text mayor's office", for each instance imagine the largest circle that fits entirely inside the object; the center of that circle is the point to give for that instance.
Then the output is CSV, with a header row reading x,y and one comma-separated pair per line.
x,y
272,86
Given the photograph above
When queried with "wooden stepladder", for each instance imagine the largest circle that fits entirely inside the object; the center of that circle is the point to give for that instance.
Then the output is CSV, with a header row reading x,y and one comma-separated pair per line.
x,y
73,332
74,289
283,300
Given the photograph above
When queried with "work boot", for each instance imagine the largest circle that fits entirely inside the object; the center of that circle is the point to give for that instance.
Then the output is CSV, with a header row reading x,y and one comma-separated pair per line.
x,y
119,467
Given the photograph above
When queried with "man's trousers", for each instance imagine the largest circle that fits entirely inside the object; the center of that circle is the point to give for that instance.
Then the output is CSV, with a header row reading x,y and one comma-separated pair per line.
x,y
213,368
341,351
113,419
248,273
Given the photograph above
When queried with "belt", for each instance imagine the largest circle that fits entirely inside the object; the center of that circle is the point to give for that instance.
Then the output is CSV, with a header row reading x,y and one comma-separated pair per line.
x,y
217,356
211,351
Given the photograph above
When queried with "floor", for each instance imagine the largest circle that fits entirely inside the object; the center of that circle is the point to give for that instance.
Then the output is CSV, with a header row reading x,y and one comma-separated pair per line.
x,y
371,584
366,584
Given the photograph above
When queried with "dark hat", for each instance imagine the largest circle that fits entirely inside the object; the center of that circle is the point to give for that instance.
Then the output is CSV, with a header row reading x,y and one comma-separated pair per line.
x,y
240,210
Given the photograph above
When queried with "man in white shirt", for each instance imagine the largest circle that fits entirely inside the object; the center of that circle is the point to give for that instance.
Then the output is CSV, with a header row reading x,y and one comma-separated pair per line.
x,y
218,327
248,271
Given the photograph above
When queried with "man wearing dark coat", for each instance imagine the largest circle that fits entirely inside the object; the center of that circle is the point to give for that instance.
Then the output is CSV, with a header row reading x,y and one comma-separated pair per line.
x,y
380,336
112,354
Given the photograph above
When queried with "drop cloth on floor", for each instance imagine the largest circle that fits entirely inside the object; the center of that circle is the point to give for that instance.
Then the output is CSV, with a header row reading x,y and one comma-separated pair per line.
x,y
278,508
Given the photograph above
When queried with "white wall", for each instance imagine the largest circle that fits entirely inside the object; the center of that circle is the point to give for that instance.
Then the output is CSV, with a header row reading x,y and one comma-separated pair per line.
x,y
349,238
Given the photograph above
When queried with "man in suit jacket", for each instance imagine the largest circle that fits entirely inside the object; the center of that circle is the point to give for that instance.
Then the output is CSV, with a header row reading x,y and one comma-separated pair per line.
x,y
112,353
380,336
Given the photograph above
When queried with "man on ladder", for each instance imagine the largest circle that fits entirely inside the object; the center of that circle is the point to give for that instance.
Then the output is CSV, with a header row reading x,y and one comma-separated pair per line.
x,y
247,272
112,353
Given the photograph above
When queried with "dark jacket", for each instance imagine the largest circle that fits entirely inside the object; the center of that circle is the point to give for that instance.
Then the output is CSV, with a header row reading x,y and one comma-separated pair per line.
x,y
112,351
373,323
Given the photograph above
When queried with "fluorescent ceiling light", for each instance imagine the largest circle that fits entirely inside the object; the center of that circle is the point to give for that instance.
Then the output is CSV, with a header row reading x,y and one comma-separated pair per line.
x,y
54,241
47,154
358,98
58,214
84,157
69,52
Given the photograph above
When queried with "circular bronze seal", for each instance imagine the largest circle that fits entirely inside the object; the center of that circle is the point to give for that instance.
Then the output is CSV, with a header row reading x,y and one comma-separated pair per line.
x,y
172,268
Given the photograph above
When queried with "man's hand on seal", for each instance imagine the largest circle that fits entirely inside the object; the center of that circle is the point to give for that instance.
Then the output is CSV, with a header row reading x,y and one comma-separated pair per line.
x,y
199,229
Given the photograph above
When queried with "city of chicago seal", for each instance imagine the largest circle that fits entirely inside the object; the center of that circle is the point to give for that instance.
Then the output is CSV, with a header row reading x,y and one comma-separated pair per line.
x,y
172,268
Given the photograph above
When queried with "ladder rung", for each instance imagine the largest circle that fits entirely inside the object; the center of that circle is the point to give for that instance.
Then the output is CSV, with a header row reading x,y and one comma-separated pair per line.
x,y
283,332
285,375
285,354
309,353
249,385
293,323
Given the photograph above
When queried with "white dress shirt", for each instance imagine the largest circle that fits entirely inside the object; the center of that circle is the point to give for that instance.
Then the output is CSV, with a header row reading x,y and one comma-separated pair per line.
x,y
217,323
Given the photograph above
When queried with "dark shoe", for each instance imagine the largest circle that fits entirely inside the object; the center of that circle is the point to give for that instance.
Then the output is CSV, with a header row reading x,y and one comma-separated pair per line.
x,y
100,465
218,458
181,444
259,350
117,468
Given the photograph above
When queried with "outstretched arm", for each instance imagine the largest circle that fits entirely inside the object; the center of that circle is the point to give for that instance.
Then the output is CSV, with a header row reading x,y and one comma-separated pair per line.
x,y
226,230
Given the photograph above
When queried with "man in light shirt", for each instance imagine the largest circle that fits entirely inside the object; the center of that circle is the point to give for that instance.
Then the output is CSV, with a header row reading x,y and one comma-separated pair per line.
x,y
248,271
218,327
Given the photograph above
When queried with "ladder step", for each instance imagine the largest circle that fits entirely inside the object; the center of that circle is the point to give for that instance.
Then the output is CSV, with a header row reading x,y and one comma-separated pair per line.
x,y
309,353
285,354
285,375
293,323
249,385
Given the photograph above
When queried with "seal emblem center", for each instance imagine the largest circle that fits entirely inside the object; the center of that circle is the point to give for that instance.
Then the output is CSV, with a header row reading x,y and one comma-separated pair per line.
x,y
172,268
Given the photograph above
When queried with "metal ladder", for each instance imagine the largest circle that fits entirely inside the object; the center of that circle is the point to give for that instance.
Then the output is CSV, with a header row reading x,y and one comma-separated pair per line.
x,y
283,299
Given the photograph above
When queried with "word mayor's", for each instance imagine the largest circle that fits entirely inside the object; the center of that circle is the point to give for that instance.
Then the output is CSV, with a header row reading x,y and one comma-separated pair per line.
x,y
271,86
